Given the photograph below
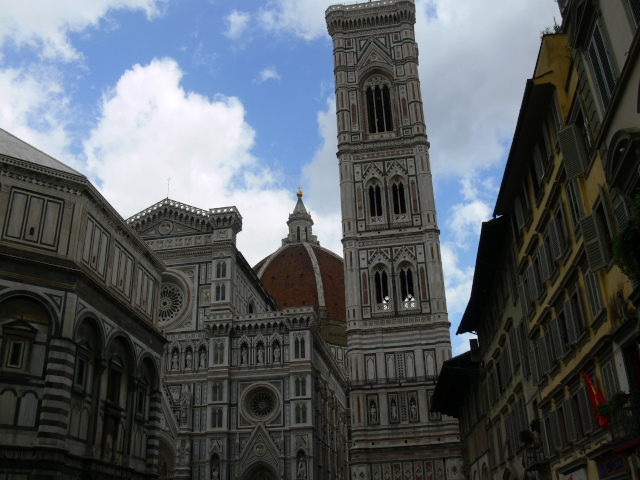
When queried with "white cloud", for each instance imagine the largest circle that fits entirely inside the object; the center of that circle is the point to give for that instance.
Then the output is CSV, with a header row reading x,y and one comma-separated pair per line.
x,y
457,280
45,25
237,24
465,219
151,129
269,73
460,343
301,18
34,108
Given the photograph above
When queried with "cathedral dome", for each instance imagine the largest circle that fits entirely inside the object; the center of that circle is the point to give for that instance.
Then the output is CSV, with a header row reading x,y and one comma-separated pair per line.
x,y
301,272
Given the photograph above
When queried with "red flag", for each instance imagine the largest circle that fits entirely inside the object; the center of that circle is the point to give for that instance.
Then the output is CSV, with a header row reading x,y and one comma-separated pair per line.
x,y
596,399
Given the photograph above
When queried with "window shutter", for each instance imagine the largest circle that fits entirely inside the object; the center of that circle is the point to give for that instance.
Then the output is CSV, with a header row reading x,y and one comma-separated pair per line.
x,y
575,207
586,411
601,63
543,259
593,293
572,154
547,142
509,433
634,5
594,242
556,338
524,347
515,354
537,163
570,322
507,365
556,434
534,284
533,365
517,205
606,208
608,377
555,239
545,362
524,299
545,438
569,420
620,209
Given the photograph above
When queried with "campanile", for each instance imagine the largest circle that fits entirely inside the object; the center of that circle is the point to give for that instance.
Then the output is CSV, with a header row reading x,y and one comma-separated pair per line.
x,y
397,323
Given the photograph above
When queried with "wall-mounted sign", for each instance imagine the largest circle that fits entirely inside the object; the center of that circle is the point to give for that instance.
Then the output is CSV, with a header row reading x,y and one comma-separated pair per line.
x,y
611,465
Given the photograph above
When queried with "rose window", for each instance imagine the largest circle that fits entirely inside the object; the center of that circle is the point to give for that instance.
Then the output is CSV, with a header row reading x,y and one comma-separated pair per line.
x,y
171,302
262,404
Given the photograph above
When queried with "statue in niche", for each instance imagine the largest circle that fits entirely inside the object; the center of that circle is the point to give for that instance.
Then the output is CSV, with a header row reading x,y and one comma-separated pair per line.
x,y
203,359
189,359
390,369
174,361
394,410
373,412
413,409
260,354
244,354
215,473
371,370
276,353
302,468
410,366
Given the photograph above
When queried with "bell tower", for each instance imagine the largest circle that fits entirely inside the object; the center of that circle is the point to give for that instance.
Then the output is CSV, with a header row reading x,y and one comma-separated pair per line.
x,y
397,323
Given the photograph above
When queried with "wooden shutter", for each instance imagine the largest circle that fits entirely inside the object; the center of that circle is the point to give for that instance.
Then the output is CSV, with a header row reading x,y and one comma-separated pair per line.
x,y
537,163
570,322
524,299
517,206
545,362
556,338
545,438
569,420
532,280
572,154
524,347
621,210
593,293
556,434
609,380
533,366
555,239
586,410
594,242
543,259
513,340
606,208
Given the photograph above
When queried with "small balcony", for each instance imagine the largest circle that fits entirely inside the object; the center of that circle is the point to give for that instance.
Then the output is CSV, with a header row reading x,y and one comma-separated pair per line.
x,y
534,458
625,423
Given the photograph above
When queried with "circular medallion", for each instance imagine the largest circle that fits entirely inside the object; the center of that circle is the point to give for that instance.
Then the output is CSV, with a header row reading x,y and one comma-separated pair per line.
x,y
165,228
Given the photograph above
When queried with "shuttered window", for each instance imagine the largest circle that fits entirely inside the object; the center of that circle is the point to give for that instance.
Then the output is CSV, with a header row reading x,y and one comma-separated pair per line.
x,y
543,259
586,411
556,432
601,63
533,365
595,243
519,212
532,280
556,338
569,420
545,361
515,354
609,380
572,151
570,321
634,5
575,205
593,293
524,299
556,239
545,437
621,210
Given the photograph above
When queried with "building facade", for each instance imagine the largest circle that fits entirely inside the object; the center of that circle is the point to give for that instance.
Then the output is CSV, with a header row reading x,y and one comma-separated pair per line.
x,y
397,323
81,357
250,391
551,308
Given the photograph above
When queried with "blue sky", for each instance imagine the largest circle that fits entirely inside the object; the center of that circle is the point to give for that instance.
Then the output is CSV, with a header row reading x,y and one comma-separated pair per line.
x,y
234,101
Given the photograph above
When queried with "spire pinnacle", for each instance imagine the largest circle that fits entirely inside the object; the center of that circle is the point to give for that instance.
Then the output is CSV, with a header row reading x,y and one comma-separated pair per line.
x,y
299,192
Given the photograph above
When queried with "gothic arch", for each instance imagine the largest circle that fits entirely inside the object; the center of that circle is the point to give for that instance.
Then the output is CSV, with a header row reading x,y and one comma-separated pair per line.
x,y
54,320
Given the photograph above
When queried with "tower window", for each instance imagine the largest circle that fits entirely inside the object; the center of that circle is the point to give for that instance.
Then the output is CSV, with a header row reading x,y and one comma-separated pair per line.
x,y
375,201
382,289
298,234
406,288
379,109
399,203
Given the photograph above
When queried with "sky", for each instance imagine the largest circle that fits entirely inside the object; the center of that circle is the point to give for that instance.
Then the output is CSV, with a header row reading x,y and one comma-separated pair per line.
x,y
233,101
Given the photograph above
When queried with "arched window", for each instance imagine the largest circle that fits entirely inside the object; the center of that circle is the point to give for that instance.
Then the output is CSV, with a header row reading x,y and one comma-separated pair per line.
x,y
298,417
220,292
379,108
304,414
399,204
382,288
303,386
302,354
299,348
375,200
221,270
406,288
298,234
251,306
297,387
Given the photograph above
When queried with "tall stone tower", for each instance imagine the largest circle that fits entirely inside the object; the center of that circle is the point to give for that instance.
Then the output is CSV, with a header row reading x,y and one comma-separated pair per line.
x,y
397,323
